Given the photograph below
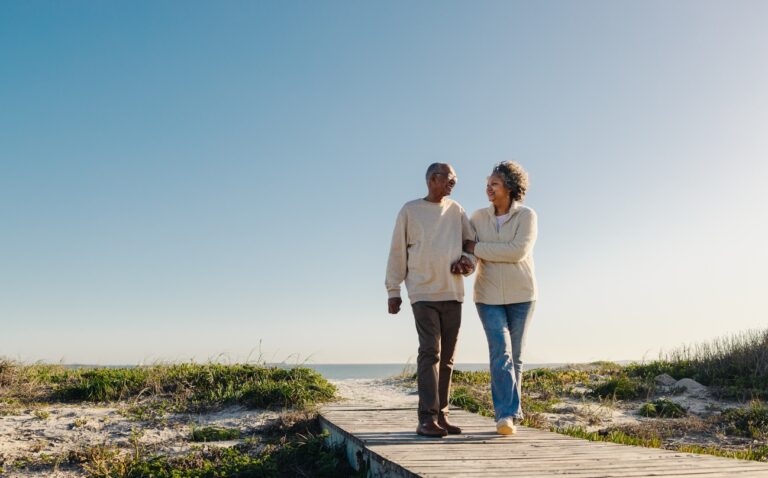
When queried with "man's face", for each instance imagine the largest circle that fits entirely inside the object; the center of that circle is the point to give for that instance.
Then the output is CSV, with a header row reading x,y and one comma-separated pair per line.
x,y
444,180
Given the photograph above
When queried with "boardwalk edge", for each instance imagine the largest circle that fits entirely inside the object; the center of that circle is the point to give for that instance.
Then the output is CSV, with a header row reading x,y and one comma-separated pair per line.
x,y
359,456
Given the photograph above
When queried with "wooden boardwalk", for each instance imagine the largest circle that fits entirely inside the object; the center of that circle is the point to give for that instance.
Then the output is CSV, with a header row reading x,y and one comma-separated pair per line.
x,y
384,441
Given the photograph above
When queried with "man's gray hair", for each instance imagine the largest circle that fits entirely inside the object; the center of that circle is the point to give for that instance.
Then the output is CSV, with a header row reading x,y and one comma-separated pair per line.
x,y
434,168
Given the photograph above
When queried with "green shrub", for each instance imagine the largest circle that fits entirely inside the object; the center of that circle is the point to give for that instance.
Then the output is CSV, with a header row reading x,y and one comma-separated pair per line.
x,y
103,384
473,393
622,388
651,370
481,377
604,366
662,408
612,436
198,387
759,453
472,400
751,421
9,406
554,381
42,414
207,434
7,372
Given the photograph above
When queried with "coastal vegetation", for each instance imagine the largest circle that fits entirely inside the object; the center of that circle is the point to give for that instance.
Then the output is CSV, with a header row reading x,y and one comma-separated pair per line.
x,y
301,452
170,398
735,366
227,420
663,408
186,386
733,371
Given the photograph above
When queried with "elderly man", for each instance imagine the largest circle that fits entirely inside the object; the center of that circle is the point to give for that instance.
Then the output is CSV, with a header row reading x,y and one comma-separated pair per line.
x,y
426,253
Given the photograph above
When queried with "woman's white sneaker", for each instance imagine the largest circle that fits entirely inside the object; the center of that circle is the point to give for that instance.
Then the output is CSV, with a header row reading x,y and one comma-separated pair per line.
x,y
506,426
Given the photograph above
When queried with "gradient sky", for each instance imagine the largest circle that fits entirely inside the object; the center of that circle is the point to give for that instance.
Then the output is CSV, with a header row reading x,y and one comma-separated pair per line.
x,y
194,180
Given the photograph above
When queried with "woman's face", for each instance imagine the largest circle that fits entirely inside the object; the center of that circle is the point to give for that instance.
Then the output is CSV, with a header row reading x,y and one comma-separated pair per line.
x,y
496,190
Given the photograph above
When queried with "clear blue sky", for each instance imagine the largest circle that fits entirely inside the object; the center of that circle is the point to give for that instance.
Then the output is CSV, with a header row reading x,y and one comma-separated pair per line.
x,y
199,179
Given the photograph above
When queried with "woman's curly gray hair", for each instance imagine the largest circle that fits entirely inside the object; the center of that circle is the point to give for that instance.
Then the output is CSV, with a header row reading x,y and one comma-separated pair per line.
x,y
515,178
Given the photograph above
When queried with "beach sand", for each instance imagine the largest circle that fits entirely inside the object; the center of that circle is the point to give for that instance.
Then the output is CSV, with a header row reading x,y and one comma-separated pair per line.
x,y
384,393
69,429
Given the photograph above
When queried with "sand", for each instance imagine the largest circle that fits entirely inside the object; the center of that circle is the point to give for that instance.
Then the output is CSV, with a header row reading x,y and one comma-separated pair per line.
x,y
70,428
384,393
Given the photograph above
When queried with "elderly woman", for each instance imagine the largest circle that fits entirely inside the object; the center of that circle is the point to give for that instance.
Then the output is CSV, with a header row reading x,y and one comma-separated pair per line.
x,y
505,287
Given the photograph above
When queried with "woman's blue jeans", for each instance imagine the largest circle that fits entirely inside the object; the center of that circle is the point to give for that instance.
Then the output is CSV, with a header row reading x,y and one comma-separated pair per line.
x,y
505,327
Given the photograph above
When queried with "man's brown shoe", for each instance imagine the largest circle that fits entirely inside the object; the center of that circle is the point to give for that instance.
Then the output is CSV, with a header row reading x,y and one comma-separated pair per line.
x,y
430,429
451,429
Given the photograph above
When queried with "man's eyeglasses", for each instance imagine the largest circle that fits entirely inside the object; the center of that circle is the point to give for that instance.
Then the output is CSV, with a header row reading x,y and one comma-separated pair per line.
x,y
452,180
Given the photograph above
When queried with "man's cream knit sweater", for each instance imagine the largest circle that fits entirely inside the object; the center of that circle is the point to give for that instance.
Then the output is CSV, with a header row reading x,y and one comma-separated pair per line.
x,y
427,239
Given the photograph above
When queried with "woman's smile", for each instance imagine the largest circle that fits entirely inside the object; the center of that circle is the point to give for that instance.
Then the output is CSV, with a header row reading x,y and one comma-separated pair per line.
x,y
496,189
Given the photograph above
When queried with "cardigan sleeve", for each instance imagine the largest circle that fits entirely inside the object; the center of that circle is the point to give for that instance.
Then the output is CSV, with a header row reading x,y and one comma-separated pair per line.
x,y
468,233
397,265
516,249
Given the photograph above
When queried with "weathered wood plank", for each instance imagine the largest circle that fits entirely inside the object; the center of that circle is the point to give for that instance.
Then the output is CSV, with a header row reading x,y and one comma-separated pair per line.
x,y
386,438
583,467
471,469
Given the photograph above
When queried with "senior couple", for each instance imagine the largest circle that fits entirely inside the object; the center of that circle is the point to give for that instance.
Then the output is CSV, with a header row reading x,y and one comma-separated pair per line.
x,y
434,244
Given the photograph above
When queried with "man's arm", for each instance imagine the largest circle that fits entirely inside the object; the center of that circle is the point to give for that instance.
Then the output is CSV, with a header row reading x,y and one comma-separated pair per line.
x,y
397,265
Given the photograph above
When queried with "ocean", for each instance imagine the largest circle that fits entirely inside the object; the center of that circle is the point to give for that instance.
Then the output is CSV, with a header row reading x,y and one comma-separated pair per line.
x,y
337,371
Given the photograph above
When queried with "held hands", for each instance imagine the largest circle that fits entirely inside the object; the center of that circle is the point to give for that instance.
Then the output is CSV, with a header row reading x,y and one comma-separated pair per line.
x,y
469,246
462,266
394,304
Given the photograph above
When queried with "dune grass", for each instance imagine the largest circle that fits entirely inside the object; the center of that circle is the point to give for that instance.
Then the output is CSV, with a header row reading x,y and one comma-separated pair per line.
x,y
735,366
612,436
189,386
623,387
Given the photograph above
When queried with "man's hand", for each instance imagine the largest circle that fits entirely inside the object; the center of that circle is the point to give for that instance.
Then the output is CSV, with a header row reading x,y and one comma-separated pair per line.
x,y
394,304
466,265
462,266
469,246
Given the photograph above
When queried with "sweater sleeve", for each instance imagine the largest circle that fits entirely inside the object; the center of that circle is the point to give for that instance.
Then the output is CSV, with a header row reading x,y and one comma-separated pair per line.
x,y
397,265
516,249
468,233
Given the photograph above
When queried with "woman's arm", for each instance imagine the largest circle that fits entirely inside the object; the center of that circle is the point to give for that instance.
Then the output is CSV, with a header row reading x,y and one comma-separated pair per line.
x,y
516,249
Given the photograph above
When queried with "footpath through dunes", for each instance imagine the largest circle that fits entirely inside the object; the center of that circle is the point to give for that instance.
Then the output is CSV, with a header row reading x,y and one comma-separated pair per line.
x,y
376,426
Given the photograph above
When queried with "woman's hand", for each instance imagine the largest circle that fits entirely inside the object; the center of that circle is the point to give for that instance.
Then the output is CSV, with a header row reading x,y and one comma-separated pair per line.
x,y
469,246
463,266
